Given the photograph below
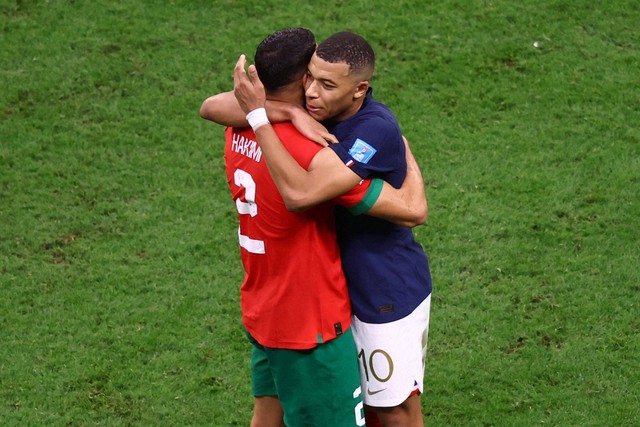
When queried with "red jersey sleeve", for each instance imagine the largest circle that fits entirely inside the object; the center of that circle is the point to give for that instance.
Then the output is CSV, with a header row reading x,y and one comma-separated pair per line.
x,y
355,195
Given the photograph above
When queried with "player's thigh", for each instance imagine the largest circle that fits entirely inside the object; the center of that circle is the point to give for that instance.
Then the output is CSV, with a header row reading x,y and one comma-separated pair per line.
x,y
262,381
392,357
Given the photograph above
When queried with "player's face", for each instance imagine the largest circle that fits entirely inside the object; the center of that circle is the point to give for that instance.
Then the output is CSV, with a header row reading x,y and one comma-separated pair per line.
x,y
332,93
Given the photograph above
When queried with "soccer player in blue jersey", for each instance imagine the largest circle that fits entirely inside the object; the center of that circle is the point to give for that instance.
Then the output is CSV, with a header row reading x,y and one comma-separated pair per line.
x,y
387,270
390,290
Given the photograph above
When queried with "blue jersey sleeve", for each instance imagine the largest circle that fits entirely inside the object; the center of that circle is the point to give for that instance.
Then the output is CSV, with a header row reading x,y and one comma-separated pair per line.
x,y
374,148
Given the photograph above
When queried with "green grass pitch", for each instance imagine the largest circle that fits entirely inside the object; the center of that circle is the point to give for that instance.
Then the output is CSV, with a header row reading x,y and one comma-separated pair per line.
x,y
119,265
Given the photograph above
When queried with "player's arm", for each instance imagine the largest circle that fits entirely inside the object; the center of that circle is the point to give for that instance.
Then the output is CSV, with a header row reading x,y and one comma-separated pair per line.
x,y
328,177
407,205
225,110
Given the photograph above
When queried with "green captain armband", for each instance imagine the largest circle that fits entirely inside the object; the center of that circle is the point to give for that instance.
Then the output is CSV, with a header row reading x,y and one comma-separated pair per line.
x,y
369,198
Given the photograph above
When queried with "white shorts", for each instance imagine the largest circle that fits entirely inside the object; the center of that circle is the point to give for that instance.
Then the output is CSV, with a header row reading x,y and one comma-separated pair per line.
x,y
392,356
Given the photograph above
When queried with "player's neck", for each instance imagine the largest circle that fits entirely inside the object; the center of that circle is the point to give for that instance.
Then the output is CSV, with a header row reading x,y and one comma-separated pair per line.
x,y
291,94
349,112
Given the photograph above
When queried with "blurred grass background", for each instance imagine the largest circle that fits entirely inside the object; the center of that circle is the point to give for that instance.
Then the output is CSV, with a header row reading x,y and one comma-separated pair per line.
x,y
119,266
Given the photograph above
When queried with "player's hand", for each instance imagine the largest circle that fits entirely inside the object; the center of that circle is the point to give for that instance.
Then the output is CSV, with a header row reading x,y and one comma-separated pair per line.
x,y
248,91
312,129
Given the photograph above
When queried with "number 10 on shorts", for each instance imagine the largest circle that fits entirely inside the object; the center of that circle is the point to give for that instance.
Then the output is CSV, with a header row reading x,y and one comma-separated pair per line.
x,y
378,364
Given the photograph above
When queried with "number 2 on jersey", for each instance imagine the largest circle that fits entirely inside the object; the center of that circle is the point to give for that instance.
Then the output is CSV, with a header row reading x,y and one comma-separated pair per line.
x,y
243,179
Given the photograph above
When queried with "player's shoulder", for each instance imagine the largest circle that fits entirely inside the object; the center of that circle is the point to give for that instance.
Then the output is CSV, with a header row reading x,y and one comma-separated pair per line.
x,y
299,146
286,131
378,116
287,128
383,112
378,126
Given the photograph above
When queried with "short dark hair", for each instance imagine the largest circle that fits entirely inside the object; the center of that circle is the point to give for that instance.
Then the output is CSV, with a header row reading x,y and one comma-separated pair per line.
x,y
283,56
350,48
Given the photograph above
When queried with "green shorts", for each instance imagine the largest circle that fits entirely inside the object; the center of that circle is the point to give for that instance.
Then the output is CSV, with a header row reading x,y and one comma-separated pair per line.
x,y
317,388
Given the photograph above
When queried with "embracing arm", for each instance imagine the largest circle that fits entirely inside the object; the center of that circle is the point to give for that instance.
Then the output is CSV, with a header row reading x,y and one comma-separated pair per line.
x,y
407,205
326,178
225,110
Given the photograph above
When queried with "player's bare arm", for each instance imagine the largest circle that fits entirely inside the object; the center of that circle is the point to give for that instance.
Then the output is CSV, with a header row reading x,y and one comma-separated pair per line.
x,y
407,205
224,109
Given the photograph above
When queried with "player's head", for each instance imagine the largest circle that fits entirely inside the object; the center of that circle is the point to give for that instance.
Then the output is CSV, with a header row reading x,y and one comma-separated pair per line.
x,y
338,76
282,57
351,49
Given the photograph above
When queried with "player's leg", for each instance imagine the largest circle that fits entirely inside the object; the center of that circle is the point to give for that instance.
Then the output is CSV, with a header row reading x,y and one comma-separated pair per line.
x,y
267,410
392,359
321,386
371,417
407,414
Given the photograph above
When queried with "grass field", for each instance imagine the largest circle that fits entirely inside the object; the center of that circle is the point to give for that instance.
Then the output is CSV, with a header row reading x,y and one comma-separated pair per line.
x,y
119,266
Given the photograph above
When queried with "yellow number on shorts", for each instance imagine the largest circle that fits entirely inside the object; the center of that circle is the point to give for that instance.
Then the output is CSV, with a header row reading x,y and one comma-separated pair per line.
x,y
374,365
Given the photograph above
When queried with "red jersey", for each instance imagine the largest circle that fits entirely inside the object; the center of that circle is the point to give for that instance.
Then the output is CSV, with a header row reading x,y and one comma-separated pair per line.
x,y
294,294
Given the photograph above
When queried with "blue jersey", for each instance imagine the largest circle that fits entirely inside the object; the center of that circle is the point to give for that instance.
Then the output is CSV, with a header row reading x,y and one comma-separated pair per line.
x,y
387,270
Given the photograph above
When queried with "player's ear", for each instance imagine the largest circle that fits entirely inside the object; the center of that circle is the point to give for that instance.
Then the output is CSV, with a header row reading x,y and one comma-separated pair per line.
x,y
361,89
